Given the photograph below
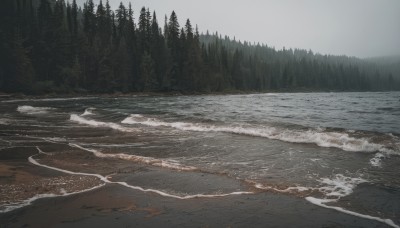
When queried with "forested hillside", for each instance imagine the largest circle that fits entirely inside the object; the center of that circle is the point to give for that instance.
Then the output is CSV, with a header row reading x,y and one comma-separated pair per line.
x,y
57,46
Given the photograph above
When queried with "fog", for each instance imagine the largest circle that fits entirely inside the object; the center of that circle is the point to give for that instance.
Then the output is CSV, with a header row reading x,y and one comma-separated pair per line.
x,y
362,28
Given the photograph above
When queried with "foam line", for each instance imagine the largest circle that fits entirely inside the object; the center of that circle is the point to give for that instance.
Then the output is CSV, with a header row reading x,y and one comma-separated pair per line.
x,y
33,161
28,202
94,123
320,203
141,159
88,112
289,189
41,152
181,197
106,181
26,109
318,137
41,196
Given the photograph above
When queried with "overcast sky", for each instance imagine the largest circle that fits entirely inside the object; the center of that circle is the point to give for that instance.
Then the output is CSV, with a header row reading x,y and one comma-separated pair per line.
x,y
362,28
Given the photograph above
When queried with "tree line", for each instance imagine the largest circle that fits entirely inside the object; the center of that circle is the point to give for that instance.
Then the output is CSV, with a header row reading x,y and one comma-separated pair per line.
x,y
57,46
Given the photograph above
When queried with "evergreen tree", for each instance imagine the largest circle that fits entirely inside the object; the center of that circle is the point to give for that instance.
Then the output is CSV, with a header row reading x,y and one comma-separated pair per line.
x,y
121,20
174,46
54,46
74,15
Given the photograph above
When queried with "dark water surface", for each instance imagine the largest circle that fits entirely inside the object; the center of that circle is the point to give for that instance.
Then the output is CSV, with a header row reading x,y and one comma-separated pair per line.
x,y
336,150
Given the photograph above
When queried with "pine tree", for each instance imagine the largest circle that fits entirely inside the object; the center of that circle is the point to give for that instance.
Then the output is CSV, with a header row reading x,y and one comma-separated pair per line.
x,y
89,23
69,19
74,15
143,26
173,42
121,19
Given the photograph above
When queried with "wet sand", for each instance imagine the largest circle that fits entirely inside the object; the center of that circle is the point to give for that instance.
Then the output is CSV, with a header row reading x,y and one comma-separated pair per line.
x,y
114,205
145,188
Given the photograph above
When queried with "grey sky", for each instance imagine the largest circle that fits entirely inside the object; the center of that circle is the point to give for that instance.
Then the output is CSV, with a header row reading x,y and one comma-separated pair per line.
x,y
362,28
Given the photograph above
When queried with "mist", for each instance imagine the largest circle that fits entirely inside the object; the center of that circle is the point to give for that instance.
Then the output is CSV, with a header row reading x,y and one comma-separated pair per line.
x,y
361,28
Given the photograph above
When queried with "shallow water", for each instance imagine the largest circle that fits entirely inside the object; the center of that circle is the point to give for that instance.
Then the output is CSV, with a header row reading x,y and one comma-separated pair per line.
x,y
328,148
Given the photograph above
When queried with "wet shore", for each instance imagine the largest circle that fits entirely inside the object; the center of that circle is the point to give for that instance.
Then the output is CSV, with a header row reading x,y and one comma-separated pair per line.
x,y
118,206
206,161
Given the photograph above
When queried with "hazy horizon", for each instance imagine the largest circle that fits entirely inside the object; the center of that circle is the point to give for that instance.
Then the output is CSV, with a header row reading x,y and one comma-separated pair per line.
x,y
360,28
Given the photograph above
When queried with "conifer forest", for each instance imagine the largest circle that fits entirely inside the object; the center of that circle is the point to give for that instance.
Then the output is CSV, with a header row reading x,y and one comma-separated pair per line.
x,y
56,46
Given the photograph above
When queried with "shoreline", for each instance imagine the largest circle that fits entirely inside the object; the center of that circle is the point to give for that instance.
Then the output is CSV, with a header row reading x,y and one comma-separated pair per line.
x,y
117,206
148,207
6,96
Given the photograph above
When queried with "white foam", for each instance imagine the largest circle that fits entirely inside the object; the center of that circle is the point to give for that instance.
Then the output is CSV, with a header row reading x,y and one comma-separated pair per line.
x,y
27,202
339,186
334,189
11,207
4,121
26,109
41,152
286,190
376,161
14,206
320,137
321,203
94,123
33,161
88,112
182,197
170,164
107,181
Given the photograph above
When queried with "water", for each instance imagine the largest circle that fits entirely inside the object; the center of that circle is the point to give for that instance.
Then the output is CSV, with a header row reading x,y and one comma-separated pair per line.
x,y
336,150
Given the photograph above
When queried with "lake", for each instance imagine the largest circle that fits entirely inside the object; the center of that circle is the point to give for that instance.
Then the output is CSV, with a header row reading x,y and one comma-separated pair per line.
x,y
338,152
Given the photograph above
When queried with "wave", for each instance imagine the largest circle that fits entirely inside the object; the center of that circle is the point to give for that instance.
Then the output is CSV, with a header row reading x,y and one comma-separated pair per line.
x,y
376,161
320,137
169,164
4,121
94,123
333,189
88,112
338,187
26,109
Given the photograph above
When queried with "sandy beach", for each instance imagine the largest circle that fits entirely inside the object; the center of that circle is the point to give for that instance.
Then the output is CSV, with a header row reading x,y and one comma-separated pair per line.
x,y
114,205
